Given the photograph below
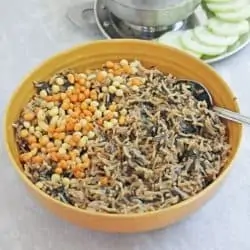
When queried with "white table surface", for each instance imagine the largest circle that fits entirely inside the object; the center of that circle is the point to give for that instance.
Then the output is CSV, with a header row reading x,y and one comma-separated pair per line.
x,y
32,30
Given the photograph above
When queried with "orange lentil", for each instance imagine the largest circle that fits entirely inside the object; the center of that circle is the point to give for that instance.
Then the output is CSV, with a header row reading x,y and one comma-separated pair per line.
x,y
100,76
50,145
122,120
56,97
87,93
112,107
81,81
31,139
92,109
109,64
77,127
127,69
66,158
81,97
53,156
70,126
52,149
37,159
118,72
104,180
29,116
60,129
136,82
77,90
73,98
51,129
77,108
68,138
58,170
111,71
65,105
25,157
87,112
86,161
81,116
48,98
62,164
43,150
82,88
84,105
93,95
108,116
79,166
72,143
67,100
89,127
76,138
55,135
72,155
93,92
99,122
75,114
61,136
63,96
78,174
44,140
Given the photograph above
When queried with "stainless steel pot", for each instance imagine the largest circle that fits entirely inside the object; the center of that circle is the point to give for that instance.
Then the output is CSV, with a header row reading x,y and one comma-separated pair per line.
x,y
152,12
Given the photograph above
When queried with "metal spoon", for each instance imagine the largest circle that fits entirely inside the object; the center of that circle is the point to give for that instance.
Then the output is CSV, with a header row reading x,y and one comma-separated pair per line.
x,y
201,93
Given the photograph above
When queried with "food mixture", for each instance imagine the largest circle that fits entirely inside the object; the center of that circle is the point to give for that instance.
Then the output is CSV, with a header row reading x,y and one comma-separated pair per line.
x,y
119,139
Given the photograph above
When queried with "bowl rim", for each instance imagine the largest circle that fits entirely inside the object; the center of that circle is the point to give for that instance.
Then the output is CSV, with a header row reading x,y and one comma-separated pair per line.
x,y
103,214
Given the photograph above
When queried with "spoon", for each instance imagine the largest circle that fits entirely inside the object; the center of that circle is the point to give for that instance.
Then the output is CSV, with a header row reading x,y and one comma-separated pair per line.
x,y
201,93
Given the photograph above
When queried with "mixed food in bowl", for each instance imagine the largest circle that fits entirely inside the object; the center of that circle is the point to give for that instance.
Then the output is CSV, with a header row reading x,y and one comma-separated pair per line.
x,y
121,139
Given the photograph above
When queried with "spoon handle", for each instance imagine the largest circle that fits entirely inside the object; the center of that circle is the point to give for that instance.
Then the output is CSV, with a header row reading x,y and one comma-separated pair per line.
x,y
233,116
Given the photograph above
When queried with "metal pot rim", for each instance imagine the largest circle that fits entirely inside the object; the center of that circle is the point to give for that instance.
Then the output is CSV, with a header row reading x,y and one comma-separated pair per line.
x,y
149,10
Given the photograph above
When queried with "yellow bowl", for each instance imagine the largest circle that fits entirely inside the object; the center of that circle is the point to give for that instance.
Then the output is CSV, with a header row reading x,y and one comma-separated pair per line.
x,y
93,55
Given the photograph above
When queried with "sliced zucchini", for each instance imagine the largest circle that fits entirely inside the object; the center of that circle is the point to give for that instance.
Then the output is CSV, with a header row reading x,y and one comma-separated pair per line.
x,y
235,15
190,42
223,28
229,6
205,36
173,39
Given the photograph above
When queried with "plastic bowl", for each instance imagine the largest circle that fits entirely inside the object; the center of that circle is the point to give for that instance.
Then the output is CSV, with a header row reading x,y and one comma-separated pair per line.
x,y
93,55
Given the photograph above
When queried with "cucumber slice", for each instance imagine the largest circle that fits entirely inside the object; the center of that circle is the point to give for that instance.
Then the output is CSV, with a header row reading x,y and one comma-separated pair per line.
x,y
235,16
173,39
233,5
207,37
223,28
190,42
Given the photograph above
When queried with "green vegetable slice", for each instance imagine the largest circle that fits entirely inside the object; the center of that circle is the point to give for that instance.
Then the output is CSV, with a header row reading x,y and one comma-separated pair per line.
x,y
173,39
236,15
222,28
190,42
229,6
205,36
